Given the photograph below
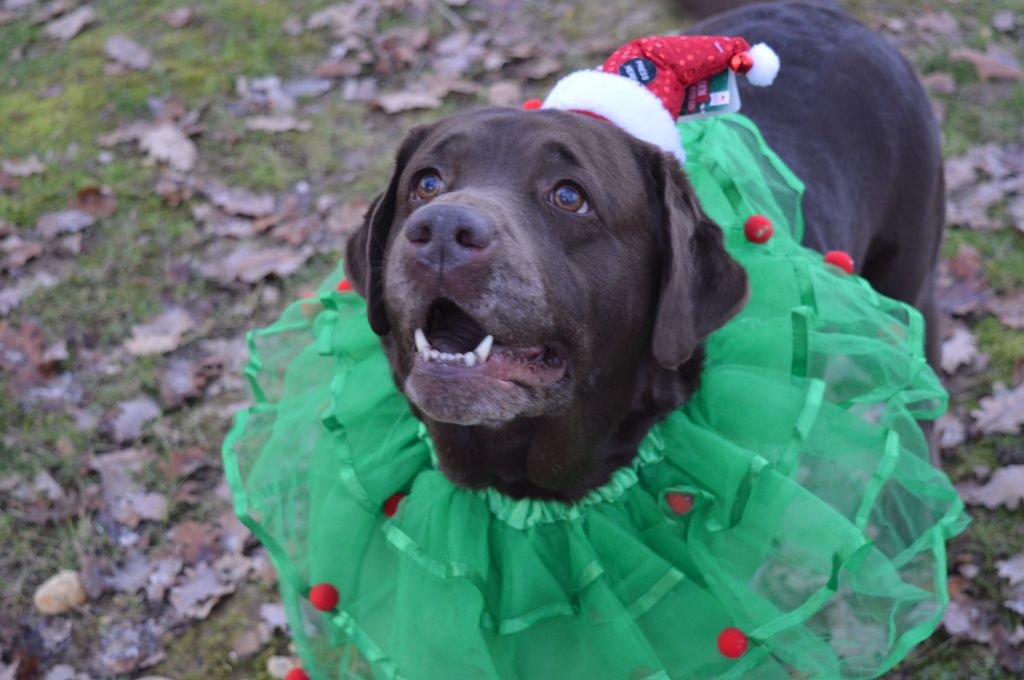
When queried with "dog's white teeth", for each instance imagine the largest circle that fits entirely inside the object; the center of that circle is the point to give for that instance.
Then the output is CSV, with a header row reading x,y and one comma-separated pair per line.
x,y
422,346
477,356
483,350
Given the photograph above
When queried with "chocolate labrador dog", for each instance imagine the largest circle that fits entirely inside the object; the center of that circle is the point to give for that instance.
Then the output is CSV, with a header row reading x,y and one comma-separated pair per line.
x,y
542,281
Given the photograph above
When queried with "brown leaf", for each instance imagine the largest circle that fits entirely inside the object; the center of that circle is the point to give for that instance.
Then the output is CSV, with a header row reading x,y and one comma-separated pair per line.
x,y
1012,569
183,380
165,142
196,541
183,463
237,201
179,17
126,646
959,350
337,69
160,335
963,618
96,201
70,25
345,219
8,183
165,573
505,93
198,591
250,264
395,102
962,286
940,83
278,123
1003,412
15,252
124,423
1009,309
1006,488
51,225
127,52
23,167
991,65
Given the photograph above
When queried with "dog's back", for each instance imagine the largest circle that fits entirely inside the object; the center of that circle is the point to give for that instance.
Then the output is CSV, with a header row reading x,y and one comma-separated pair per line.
x,y
849,116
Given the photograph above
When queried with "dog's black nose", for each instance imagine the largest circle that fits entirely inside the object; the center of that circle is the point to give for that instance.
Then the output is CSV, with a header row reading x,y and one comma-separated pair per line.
x,y
445,237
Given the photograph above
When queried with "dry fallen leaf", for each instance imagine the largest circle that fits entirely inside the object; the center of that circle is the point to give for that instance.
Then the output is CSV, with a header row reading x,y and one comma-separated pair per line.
x,y
395,102
127,52
23,167
237,201
199,590
964,619
160,335
951,431
250,264
97,201
51,225
1009,309
959,350
1006,487
165,142
15,252
1012,569
991,65
179,17
124,423
1001,413
70,25
278,123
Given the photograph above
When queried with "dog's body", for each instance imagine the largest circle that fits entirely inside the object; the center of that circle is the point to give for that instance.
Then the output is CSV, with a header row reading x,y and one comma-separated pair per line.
x,y
583,254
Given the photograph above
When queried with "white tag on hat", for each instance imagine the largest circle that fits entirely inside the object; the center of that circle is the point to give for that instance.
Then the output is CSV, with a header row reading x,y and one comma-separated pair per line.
x,y
718,94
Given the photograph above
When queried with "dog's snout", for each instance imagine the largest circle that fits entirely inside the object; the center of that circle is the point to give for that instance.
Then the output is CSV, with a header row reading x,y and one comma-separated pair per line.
x,y
446,237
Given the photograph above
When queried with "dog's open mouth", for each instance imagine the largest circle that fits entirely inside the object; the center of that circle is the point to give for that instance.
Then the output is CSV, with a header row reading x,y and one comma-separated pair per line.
x,y
454,344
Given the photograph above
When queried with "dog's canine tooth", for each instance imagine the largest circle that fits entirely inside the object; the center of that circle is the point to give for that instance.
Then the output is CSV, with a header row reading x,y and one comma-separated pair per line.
x,y
483,350
422,346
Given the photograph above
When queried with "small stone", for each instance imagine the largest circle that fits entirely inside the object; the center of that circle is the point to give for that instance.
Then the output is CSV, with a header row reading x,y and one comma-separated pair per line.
x,y
60,593
280,666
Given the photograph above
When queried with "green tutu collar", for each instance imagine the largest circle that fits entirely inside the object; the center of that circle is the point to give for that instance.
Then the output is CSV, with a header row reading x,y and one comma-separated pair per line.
x,y
784,522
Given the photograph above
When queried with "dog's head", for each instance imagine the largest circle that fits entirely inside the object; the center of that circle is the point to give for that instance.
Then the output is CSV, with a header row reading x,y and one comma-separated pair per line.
x,y
542,283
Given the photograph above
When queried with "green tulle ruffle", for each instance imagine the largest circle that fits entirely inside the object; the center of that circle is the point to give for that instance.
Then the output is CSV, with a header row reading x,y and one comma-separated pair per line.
x,y
817,526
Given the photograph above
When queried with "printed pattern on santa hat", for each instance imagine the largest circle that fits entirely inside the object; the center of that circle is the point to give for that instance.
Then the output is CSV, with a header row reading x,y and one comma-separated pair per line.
x,y
667,65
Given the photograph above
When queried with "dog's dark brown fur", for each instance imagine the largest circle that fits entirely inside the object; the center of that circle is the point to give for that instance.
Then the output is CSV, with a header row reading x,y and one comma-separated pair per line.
x,y
605,310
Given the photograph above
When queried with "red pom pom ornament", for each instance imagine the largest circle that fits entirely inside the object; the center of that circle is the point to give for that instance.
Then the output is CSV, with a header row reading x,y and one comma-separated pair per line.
x,y
532,104
296,674
344,286
391,504
758,229
679,503
840,259
324,596
732,643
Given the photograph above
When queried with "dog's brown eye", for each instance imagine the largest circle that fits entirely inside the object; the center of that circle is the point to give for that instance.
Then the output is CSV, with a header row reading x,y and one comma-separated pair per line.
x,y
568,196
428,186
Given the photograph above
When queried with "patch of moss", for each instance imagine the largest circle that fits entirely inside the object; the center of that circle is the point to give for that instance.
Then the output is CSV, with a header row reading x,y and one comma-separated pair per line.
x,y
1004,345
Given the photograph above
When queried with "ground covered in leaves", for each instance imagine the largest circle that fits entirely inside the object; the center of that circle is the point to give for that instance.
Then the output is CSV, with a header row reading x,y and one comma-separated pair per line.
x,y
173,174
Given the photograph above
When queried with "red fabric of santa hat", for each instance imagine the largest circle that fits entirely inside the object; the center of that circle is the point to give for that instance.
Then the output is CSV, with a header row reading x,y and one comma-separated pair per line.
x,y
642,86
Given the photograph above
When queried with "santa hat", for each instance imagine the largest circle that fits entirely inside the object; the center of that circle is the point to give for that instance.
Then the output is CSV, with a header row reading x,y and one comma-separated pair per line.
x,y
643,87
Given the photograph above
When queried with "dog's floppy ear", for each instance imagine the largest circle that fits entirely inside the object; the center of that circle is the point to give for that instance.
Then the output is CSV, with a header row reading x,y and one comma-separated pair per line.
x,y
702,286
364,253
